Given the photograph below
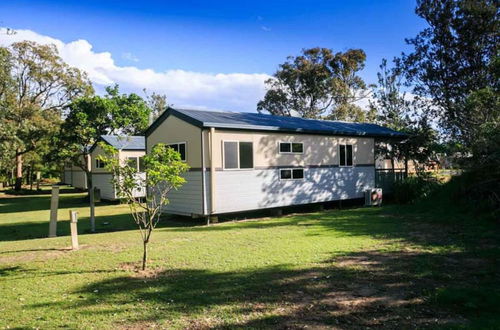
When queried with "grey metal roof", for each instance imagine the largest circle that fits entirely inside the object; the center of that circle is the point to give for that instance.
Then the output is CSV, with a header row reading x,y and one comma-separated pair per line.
x,y
125,142
264,122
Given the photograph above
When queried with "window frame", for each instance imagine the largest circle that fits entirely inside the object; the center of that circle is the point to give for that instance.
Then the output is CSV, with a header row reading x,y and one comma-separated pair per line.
x,y
352,154
178,148
291,152
292,169
237,156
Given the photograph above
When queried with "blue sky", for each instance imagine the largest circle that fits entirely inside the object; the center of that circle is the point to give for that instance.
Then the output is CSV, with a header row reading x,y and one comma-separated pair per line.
x,y
221,37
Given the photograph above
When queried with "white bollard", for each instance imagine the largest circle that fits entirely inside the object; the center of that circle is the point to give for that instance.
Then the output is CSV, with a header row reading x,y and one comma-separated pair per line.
x,y
73,215
54,205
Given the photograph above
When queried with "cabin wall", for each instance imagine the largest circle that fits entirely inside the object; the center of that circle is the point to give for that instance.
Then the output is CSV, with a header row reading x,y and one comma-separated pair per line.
x,y
188,199
261,187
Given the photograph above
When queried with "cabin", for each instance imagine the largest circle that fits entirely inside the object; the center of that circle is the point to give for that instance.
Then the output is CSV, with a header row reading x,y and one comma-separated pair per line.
x,y
74,175
131,149
247,161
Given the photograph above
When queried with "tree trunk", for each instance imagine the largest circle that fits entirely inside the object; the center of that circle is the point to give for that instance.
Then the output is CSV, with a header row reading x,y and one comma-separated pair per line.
x,y
31,176
19,171
145,255
406,166
90,189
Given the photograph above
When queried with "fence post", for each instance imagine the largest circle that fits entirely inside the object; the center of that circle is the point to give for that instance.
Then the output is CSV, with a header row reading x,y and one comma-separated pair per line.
x,y
73,215
54,205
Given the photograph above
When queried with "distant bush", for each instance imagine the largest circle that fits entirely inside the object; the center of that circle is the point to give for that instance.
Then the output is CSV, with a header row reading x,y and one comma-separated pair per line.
x,y
414,188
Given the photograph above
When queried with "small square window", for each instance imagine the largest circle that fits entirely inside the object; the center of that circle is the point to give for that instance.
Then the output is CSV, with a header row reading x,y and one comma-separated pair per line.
x,y
132,162
99,163
292,174
289,147
180,148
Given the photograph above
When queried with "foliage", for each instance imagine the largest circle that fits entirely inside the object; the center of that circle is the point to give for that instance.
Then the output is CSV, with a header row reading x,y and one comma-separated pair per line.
x,y
244,274
414,188
36,85
157,103
318,84
396,110
455,57
162,173
128,113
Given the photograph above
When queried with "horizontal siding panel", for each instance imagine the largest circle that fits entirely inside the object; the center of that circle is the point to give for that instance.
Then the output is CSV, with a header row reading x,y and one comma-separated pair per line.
x,y
248,190
188,198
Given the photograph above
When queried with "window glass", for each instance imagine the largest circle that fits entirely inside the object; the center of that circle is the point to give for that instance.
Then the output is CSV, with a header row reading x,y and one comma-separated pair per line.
x,y
297,147
349,155
342,155
132,162
141,164
230,155
285,174
246,155
285,147
298,173
182,150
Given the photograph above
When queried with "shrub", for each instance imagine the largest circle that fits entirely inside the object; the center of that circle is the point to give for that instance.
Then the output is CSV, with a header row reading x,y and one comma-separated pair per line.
x,y
414,188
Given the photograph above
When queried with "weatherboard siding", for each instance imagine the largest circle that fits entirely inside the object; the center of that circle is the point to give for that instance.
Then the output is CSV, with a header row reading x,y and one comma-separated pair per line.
x,y
256,189
175,130
102,181
187,199
318,149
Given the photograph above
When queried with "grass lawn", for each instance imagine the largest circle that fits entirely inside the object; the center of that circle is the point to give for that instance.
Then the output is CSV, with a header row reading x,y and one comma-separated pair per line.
x,y
391,267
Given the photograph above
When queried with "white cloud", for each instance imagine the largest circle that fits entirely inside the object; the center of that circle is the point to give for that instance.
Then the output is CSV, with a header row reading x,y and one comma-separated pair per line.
x,y
232,91
130,57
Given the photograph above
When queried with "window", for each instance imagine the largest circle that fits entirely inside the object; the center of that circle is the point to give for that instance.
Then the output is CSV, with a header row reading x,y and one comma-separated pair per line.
x,y
345,155
292,174
180,148
238,155
291,148
99,163
132,162
141,164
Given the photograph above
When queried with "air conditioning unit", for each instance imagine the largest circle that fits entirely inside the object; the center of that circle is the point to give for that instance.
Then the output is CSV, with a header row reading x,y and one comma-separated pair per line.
x,y
373,197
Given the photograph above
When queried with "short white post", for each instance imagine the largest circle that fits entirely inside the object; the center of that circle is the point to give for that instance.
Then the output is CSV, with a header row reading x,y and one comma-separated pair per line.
x,y
73,215
54,205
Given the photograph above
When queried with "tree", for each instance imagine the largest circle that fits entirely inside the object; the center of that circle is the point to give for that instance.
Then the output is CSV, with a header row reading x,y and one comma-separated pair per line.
x,y
88,118
163,169
42,86
398,111
455,56
318,84
157,103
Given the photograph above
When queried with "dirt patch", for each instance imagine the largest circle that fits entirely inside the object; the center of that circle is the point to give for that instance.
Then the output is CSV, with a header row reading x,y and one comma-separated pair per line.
x,y
136,269
37,254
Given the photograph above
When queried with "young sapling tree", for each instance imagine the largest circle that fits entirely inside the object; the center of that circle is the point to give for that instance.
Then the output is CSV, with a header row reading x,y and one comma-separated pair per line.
x,y
161,172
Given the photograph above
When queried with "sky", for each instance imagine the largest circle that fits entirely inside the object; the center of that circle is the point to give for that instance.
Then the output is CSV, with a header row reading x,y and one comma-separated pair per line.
x,y
206,54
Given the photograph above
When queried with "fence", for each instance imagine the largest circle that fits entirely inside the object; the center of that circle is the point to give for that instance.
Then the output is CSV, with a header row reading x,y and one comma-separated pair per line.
x,y
385,178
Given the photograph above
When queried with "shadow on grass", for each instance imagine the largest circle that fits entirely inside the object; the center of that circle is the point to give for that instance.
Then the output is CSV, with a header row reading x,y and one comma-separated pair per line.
x,y
32,203
365,289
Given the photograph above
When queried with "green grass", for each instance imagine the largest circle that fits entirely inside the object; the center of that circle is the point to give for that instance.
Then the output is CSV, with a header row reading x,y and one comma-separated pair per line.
x,y
393,266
